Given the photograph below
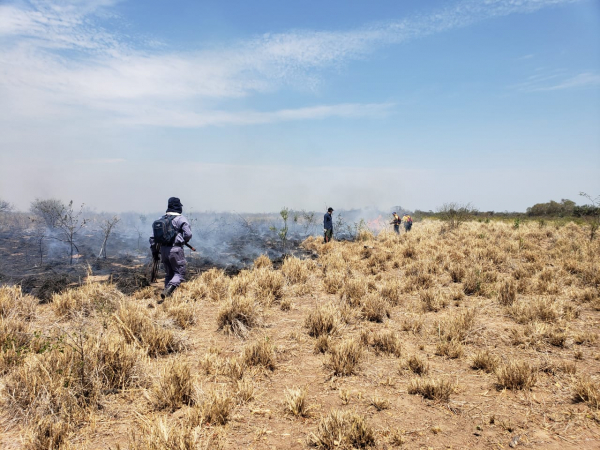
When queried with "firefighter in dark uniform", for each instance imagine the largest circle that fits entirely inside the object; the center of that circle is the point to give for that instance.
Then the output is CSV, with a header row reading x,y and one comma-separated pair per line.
x,y
328,225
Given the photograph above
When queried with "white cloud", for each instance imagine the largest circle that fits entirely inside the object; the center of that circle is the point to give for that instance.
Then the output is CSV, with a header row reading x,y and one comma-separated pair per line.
x,y
110,74
578,81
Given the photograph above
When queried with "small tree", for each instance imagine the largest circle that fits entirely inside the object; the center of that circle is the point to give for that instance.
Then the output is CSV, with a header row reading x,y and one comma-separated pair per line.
x,y
455,213
50,210
39,233
5,206
594,215
107,227
283,232
309,220
69,223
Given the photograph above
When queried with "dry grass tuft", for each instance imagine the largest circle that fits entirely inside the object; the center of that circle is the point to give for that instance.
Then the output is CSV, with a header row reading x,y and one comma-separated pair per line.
x,y
457,327
417,365
413,325
238,316
342,429
213,408
182,312
244,390
268,285
87,299
216,285
387,342
507,294
345,357
263,261
48,433
138,328
333,281
452,349
322,344
375,308
295,402
295,271
542,309
586,390
321,321
432,389
13,303
353,291
159,434
484,360
175,387
432,300
259,353
379,403
391,292
516,375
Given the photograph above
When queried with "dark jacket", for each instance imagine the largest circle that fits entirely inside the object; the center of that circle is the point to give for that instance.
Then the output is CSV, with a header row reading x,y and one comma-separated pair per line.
x,y
327,221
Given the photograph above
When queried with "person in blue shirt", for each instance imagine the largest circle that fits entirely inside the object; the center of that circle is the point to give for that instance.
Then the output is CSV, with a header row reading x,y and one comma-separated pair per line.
x,y
328,225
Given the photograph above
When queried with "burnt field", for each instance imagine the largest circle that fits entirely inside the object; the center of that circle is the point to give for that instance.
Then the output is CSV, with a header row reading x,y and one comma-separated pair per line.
x,y
36,257
484,336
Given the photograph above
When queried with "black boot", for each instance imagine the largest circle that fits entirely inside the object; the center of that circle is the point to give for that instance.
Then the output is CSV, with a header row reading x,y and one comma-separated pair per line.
x,y
167,292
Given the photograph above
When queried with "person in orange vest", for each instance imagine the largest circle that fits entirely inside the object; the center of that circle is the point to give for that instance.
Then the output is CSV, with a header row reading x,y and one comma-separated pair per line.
x,y
407,222
396,222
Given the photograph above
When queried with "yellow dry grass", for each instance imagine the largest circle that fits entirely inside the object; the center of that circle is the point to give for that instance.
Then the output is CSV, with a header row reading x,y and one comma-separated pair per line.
x,y
95,368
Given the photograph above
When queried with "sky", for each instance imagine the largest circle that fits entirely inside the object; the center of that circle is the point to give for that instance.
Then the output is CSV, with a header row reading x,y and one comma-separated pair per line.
x,y
253,106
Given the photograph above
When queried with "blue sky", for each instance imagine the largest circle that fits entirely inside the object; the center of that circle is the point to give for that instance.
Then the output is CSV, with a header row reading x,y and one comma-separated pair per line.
x,y
251,106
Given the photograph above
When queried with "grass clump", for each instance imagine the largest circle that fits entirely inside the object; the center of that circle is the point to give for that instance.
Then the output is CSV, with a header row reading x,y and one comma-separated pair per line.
x,y
85,300
259,353
138,328
516,375
387,342
417,365
295,402
238,316
342,429
175,387
321,321
345,357
484,360
375,308
268,285
295,271
586,390
432,389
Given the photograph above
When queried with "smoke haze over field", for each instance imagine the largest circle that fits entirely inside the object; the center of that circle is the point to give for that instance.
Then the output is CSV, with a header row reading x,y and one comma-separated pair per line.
x,y
115,187
121,104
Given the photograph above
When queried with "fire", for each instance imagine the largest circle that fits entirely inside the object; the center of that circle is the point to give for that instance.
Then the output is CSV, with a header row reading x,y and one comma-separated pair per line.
x,y
376,224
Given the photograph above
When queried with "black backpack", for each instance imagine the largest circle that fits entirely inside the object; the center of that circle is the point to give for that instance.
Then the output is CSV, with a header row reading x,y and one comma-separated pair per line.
x,y
164,231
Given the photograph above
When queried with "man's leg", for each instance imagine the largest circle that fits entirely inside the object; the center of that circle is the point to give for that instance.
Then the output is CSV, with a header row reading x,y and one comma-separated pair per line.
x,y
164,258
177,260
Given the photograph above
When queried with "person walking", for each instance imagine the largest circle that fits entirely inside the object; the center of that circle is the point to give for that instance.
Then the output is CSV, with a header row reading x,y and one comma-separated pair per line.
x,y
328,225
170,233
407,222
396,222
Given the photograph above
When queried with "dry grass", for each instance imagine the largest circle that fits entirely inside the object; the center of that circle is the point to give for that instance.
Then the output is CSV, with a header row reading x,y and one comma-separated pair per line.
x,y
484,360
387,342
417,365
138,328
342,429
516,375
238,316
321,321
296,403
87,299
375,308
259,353
175,387
96,360
586,390
432,389
263,261
345,357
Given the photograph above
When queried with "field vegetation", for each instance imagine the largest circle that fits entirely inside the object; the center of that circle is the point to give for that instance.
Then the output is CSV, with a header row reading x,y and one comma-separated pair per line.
x,y
483,334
